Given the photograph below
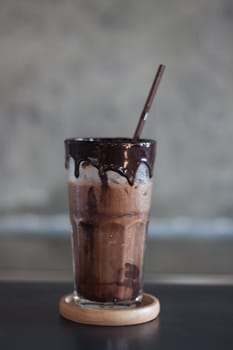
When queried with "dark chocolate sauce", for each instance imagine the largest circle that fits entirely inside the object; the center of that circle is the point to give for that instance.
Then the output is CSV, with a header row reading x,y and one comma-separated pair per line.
x,y
121,155
92,202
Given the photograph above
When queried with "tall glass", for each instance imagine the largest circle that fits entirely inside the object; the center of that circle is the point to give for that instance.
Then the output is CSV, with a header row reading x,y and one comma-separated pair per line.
x,y
109,186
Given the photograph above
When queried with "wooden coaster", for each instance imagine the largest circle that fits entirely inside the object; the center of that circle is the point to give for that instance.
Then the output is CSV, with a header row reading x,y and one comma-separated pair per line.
x,y
144,312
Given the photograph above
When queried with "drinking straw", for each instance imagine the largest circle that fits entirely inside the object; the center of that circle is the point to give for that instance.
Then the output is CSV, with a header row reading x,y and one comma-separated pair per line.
x,y
149,101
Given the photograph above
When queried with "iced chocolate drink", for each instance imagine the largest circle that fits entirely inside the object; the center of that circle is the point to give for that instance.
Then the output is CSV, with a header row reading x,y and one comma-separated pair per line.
x,y
109,198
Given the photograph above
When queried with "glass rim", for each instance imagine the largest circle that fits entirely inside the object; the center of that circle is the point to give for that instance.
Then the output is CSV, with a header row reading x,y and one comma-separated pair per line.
x,y
110,140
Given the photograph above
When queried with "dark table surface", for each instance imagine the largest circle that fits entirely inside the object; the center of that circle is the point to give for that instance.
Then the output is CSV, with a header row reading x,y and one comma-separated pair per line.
x,y
192,317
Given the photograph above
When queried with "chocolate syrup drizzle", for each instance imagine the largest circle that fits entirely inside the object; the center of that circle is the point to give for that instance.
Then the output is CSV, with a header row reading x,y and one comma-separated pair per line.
x,y
117,154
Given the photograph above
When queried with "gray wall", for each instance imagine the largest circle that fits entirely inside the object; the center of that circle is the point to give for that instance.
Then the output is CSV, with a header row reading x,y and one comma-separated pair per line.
x,y
83,68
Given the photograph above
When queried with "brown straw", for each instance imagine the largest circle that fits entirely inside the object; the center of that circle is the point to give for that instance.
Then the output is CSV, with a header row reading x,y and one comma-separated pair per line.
x,y
148,103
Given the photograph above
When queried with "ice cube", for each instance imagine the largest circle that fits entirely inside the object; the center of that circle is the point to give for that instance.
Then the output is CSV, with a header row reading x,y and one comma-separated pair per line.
x,y
142,174
87,173
116,178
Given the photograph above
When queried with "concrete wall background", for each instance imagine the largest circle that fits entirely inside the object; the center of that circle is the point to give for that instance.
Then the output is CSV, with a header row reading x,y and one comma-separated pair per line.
x,y
83,68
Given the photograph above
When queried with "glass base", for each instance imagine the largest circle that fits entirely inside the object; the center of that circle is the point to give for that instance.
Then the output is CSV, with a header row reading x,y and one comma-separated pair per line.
x,y
116,305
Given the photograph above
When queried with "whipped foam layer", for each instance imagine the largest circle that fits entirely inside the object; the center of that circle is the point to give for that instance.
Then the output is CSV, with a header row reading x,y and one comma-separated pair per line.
x,y
89,174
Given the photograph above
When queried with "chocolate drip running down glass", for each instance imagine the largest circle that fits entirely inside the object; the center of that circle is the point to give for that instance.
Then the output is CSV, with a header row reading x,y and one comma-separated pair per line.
x,y
109,185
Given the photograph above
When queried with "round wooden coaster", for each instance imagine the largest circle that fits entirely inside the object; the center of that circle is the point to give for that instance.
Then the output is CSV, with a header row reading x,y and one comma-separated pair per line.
x,y
146,311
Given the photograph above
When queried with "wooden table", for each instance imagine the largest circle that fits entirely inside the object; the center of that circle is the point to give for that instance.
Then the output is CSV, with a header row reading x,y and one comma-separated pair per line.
x,y
192,317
